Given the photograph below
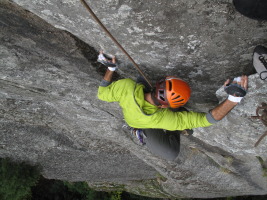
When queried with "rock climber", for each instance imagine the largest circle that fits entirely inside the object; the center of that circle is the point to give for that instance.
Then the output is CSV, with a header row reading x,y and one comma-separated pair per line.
x,y
144,109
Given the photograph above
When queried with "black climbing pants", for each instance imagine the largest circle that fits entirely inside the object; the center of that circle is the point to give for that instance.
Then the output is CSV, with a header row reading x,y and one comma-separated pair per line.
x,y
165,144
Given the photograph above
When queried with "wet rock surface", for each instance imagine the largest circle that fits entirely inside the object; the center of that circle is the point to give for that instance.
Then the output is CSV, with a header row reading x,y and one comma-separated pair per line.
x,y
49,113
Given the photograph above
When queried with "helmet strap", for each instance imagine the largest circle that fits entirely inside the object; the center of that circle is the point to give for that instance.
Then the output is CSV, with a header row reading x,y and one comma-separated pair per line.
x,y
155,100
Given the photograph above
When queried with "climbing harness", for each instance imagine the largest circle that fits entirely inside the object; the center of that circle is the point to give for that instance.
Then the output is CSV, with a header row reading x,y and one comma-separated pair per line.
x,y
114,40
263,117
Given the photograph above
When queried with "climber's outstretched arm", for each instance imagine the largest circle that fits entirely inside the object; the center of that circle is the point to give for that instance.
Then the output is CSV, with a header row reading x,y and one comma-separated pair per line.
x,y
222,109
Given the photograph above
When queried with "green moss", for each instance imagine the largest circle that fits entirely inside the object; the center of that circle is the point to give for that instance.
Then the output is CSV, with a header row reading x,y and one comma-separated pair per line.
x,y
229,160
225,170
263,165
161,178
150,188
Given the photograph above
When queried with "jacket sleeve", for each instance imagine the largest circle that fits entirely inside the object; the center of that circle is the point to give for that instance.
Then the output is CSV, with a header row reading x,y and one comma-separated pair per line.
x,y
108,93
114,91
184,120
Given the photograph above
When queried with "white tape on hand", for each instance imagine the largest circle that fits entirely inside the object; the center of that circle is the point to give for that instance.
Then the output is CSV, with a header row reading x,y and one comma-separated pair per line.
x,y
112,68
234,99
237,79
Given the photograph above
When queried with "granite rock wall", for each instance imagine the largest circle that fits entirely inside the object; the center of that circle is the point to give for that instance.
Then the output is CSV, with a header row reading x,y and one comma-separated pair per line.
x,y
50,116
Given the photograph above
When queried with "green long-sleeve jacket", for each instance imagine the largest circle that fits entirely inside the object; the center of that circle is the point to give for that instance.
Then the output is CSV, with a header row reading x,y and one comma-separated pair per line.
x,y
139,113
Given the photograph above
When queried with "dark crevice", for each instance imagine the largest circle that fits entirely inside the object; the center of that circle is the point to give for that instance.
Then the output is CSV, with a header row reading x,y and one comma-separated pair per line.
x,y
91,54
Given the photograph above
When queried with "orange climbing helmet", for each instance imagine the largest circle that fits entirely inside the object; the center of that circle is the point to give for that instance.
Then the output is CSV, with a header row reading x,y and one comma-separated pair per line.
x,y
172,91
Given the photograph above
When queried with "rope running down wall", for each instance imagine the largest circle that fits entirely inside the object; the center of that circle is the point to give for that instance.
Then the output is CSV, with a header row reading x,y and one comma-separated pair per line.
x,y
114,40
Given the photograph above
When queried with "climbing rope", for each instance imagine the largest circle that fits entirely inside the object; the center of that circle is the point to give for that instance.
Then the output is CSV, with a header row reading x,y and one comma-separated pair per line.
x,y
114,40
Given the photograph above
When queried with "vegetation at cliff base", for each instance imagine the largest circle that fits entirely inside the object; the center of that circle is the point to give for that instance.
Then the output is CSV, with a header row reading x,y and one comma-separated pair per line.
x,y
16,180
21,181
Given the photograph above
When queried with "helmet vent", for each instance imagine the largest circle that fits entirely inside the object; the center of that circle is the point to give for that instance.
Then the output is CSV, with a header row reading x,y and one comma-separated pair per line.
x,y
170,85
179,100
177,97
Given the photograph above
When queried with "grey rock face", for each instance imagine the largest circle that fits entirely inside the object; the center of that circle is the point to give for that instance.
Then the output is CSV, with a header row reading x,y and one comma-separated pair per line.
x,y
243,130
202,41
49,113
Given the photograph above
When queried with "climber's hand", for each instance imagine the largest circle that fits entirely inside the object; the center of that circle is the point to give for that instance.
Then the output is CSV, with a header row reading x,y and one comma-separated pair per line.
x,y
236,89
111,64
